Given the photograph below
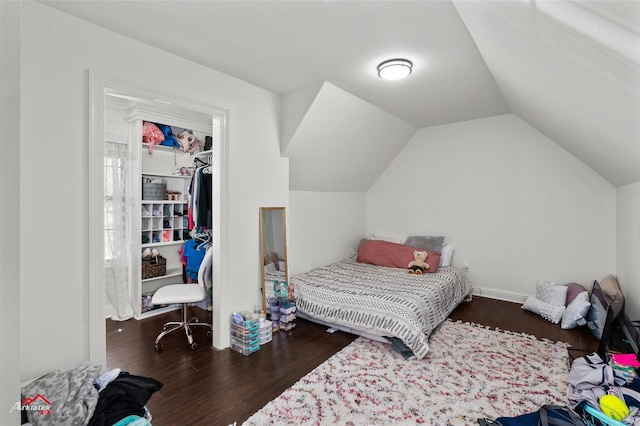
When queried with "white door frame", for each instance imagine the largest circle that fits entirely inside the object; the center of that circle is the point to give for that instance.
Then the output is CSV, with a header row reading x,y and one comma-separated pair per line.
x,y
98,86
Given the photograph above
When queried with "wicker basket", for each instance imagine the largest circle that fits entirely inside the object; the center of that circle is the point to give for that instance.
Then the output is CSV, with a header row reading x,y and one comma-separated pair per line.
x,y
155,267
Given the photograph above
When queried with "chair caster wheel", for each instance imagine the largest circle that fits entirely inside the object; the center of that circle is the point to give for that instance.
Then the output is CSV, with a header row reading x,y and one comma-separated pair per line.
x,y
209,333
194,346
158,347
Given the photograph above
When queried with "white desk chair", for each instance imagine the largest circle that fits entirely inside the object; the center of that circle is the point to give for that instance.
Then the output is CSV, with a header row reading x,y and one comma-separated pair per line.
x,y
185,294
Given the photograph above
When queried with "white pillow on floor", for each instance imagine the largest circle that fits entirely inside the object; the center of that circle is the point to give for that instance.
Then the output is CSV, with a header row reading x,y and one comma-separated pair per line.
x,y
577,311
550,292
546,310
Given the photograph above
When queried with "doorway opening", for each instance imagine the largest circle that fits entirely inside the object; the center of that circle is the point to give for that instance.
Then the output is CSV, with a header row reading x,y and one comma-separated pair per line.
x,y
108,165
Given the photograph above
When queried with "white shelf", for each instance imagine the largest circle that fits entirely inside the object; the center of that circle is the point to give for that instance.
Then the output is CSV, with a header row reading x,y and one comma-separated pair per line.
x,y
167,175
163,232
158,311
160,202
163,243
173,149
173,272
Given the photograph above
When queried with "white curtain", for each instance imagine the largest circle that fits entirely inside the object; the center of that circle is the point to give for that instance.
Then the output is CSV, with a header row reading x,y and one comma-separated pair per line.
x,y
116,239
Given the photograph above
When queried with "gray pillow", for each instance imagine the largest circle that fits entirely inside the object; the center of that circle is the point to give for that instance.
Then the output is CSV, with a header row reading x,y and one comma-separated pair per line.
x,y
431,243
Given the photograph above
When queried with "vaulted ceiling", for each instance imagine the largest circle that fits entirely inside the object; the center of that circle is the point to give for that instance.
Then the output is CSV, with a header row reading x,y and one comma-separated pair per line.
x,y
569,69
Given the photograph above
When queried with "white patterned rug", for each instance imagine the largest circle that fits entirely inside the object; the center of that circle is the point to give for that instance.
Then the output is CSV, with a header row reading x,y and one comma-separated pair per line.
x,y
470,372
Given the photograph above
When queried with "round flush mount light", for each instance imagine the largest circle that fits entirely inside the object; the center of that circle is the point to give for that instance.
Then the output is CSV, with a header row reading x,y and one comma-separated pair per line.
x,y
395,69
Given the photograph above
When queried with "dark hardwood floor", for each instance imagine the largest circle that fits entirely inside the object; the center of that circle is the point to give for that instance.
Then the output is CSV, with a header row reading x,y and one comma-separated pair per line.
x,y
207,386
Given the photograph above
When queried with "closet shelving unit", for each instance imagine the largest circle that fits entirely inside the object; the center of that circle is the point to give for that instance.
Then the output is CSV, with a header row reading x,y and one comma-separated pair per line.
x,y
160,225
165,222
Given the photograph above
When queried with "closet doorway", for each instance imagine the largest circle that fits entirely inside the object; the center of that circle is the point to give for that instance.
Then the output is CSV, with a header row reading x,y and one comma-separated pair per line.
x,y
114,176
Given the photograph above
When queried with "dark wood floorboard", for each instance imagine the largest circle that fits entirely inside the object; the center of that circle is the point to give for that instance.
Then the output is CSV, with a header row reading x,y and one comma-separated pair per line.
x,y
207,386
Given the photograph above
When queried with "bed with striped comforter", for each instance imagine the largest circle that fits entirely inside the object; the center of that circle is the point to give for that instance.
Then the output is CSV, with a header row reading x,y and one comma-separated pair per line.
x,y
382,301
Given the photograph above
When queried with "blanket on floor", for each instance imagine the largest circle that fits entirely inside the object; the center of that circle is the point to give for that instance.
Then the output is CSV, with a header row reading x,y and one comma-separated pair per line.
x,y
70,396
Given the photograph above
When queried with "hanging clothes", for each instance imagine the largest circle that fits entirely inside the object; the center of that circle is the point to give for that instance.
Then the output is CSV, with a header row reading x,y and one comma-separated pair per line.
x,y
193,251
200,203
200,192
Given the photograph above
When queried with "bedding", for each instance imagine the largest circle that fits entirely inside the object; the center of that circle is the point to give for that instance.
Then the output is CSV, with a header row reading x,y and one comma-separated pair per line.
x,y
380,300
386,253
274,268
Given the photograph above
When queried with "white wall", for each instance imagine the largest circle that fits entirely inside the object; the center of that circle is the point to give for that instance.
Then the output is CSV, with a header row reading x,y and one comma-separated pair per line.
x,y
57,52
10,27
323,227
515,205
628,246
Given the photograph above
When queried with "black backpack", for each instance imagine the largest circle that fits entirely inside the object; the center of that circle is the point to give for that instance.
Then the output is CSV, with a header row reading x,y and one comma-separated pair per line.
x,y
548,415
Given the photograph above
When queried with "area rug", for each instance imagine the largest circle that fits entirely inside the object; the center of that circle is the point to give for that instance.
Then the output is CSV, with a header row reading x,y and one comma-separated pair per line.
x,y
470,372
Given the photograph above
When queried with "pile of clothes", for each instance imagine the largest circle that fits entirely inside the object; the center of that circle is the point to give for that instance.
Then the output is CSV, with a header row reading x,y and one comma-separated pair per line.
x,y
161,134
591,377
83,396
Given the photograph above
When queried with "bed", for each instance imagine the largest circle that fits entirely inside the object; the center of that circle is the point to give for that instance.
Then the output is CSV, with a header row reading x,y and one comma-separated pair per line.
x,y
380,300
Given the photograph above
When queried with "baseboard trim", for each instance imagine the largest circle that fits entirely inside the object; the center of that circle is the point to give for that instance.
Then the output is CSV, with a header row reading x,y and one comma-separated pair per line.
x,y
495,293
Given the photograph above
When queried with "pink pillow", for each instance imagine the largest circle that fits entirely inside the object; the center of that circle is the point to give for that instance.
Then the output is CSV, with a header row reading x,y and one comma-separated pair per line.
x,y
573,290
393,255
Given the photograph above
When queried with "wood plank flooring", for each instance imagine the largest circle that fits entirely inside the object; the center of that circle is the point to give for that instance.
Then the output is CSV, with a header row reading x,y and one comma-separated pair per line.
x,y
207,386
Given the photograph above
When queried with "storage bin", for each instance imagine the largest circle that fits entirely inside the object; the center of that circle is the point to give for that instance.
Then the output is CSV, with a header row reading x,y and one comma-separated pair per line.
x,y
594,417
245,350
245,326
286,326
154,188
266,338
245,336
245,342
265,333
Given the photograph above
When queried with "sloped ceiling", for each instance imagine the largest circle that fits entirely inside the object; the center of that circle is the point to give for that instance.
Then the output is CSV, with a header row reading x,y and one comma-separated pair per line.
x,y
572,71
342,143
575,80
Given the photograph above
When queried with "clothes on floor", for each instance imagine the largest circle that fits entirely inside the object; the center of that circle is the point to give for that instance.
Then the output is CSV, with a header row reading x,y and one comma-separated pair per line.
x,y
70,395
125,396
133,421
101,382
591,377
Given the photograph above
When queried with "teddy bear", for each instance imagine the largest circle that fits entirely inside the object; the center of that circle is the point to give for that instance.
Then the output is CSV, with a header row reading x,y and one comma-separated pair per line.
x,y
418,265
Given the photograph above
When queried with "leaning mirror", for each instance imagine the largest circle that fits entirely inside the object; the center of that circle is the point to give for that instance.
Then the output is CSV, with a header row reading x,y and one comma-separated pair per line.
x,y
273,249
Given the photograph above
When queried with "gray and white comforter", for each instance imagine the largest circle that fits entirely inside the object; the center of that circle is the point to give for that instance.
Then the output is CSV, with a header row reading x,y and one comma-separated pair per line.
x,y
70,395
382,301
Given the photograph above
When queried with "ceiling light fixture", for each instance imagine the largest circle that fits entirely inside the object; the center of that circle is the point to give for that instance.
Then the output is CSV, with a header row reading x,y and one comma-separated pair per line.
x,y
395,69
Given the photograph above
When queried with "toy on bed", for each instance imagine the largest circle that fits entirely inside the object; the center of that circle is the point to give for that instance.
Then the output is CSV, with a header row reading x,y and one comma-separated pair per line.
x,y
418,265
